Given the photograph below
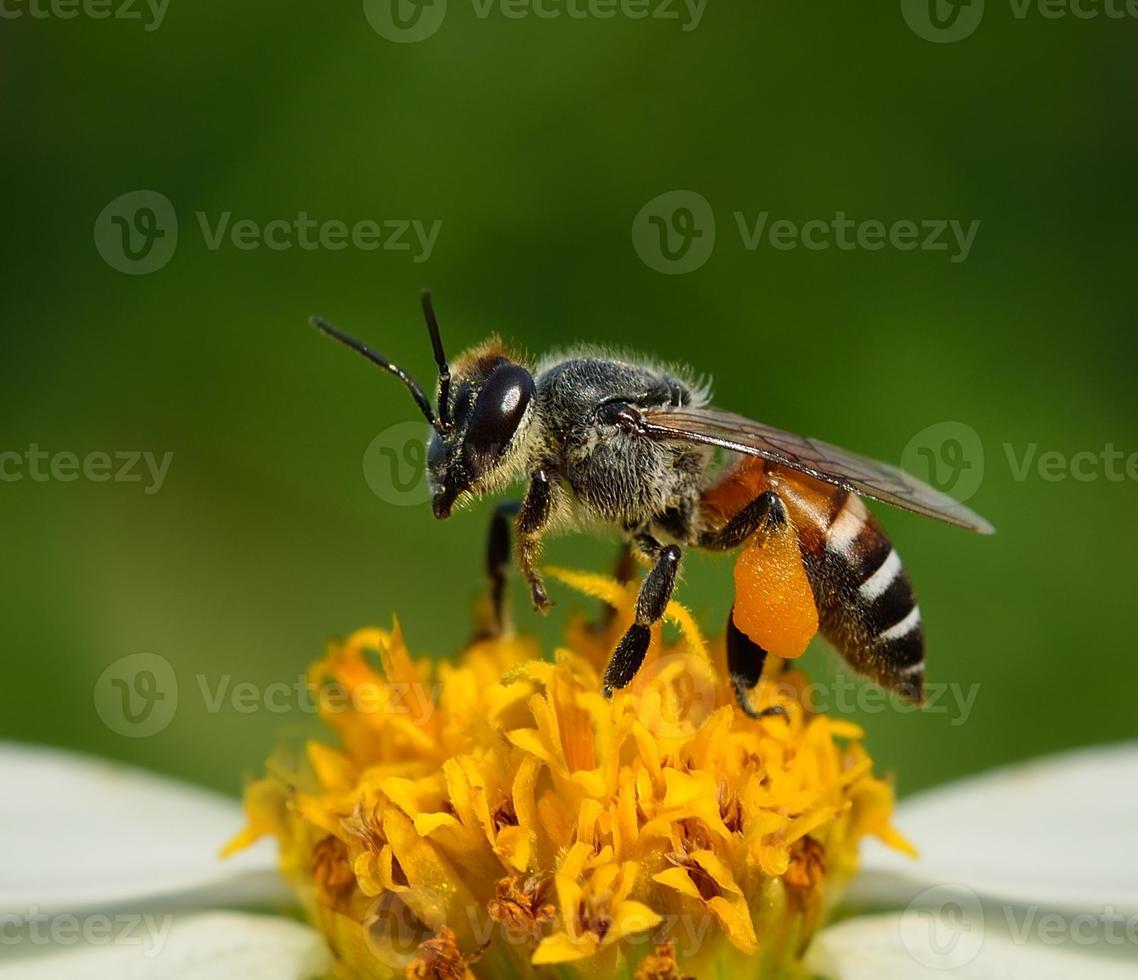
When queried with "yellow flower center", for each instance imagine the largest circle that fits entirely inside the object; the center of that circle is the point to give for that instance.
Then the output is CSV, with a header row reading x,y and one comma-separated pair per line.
x,y
497,816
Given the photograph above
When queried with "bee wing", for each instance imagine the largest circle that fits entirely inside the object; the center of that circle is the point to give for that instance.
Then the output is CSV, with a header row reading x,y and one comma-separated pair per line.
x,y
859,474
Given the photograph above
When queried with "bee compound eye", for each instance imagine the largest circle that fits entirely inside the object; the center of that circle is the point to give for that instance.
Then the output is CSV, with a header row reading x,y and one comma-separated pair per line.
x,y
436,452
501,404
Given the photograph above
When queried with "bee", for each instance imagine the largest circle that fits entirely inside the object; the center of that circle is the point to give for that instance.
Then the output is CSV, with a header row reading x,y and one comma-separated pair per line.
x,y
619,441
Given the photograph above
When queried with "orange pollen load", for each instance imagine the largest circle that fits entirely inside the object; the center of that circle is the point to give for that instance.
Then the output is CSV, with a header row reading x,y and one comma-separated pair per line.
x,y
774,604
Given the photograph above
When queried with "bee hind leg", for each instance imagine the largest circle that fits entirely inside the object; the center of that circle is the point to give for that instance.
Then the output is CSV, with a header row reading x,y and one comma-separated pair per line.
x,y
745,661
765,511
655,594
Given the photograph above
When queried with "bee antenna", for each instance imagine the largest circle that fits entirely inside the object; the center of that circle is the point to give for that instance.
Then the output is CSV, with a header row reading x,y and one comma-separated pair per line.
x,y
376,358
445,420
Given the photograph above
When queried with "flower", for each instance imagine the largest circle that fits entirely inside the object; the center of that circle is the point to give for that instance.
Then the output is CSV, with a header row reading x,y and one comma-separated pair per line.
x,y
513,821
498,817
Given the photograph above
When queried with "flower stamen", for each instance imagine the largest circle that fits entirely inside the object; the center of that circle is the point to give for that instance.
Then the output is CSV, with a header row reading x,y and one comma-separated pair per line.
x,y
516,812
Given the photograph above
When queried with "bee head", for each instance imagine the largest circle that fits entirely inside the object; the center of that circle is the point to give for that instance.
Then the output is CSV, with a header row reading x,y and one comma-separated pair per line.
x,y
487,422
482,415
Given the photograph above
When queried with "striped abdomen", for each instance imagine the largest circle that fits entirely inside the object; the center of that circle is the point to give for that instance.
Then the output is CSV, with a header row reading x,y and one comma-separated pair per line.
x,y
866,606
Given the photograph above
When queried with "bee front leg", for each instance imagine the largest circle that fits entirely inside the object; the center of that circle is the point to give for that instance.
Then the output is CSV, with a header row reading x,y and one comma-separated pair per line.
x,y
655,594
532,518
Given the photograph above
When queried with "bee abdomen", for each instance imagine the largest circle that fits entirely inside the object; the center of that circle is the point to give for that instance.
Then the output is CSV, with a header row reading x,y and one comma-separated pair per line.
x,y
866,604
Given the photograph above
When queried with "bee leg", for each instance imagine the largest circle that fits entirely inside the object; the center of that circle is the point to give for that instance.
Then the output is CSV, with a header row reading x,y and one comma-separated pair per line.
x,y
745,660
766,510
497,564
655,593
532,518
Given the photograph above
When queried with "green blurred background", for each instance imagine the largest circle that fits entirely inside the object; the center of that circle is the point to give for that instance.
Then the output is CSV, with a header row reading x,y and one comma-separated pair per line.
x,y
536,142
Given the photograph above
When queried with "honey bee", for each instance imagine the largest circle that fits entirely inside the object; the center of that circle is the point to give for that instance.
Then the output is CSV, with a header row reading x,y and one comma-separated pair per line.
x,y
620,441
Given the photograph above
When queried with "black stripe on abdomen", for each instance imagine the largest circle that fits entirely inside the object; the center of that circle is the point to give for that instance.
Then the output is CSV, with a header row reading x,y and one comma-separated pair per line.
x,y
866,603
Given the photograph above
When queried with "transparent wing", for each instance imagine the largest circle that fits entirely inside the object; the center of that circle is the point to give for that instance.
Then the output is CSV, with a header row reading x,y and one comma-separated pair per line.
x,y
713,427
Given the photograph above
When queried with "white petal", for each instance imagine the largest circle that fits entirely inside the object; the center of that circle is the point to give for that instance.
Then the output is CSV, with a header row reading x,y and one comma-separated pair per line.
x,y
954,946
1058,831
80,831
211,946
